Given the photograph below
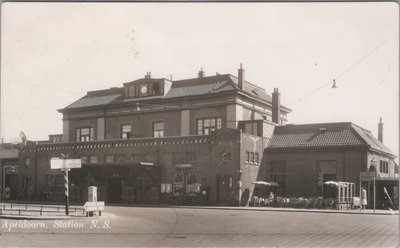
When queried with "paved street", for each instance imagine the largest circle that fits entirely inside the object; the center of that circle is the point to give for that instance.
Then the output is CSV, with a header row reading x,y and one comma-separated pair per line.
x,y
185,227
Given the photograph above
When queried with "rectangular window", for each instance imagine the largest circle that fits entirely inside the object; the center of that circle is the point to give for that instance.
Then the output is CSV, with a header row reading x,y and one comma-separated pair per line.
x,y
384,167
85,134
252,157
247,157
93,159
109,159
208,125
156,89
251,128
126,130
190,156
132,91
277,174
256,158
158,129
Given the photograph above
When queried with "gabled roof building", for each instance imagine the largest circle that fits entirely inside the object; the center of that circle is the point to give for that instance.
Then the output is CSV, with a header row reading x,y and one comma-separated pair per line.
x,y
302,157
203,140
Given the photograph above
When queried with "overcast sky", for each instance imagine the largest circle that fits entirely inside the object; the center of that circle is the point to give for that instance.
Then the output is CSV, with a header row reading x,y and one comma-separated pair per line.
x,y
53,53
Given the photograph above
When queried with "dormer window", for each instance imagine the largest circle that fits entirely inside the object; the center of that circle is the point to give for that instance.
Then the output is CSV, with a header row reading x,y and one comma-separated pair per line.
x,y
144,89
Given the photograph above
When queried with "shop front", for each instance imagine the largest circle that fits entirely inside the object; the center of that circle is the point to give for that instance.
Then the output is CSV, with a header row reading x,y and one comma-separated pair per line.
x,y
188,187
116,184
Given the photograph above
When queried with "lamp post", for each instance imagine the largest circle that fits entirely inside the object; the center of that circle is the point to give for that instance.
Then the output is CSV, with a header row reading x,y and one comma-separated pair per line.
x,y
239,174
373,168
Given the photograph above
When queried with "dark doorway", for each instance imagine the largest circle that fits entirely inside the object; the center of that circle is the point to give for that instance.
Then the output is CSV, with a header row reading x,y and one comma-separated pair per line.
x,y
12,183
114,191
223,189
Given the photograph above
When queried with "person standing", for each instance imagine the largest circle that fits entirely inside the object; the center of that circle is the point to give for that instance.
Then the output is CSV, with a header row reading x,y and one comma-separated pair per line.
x,y
7,193
363,198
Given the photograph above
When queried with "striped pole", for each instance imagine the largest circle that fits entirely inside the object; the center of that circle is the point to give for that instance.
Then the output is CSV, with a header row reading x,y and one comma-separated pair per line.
x,y
65,172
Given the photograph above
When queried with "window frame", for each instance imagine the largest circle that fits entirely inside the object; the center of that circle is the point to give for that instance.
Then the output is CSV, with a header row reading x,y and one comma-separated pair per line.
x,y
253,129
158,131
277,169
90,136
122,131
201,126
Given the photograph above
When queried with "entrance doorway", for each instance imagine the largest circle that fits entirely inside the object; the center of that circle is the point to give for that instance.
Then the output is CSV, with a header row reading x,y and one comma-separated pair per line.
x,y
224,186
114,191
12,183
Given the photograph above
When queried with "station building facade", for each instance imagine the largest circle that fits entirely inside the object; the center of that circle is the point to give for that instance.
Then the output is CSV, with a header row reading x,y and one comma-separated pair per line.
x,y
203,140
198,140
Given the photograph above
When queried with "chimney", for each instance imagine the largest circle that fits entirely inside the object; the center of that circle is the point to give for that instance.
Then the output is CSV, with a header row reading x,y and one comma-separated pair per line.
x,y
240,77
380,130
201,73
276,106
148,75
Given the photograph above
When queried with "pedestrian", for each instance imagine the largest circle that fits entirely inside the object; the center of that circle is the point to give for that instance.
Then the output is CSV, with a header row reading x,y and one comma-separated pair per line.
x,y
363,198
7,192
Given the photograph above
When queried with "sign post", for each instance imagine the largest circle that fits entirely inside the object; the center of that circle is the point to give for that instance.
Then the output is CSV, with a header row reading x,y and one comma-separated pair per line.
x,y
369,176
65,172
65,165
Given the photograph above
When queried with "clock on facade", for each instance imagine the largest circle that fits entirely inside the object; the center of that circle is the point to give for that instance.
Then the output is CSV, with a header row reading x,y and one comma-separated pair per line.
x,y
143,89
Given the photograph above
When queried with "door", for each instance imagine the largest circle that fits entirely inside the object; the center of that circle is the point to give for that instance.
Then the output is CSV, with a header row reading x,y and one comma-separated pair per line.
x,y
12,183
115,190
223,189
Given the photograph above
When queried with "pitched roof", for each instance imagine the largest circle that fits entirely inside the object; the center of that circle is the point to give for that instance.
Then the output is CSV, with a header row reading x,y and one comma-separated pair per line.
x,y
371,140
324,135
98,98
201,86
179,88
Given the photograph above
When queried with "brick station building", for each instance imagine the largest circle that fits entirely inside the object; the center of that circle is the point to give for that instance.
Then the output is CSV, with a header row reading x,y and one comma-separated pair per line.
x,y
198,140
301,157
203,140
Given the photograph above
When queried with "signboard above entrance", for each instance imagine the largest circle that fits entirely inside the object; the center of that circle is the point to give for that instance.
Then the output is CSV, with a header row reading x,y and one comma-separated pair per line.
x,y
58,163
367,176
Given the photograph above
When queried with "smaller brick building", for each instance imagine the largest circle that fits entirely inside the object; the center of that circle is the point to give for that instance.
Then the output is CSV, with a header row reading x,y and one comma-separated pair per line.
x,y
301,157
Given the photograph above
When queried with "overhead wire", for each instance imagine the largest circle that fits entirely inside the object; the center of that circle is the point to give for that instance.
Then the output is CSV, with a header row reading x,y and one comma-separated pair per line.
x,y
347,69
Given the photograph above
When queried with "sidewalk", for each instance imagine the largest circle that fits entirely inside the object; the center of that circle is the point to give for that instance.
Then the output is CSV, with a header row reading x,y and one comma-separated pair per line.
x,y
305,210
77,214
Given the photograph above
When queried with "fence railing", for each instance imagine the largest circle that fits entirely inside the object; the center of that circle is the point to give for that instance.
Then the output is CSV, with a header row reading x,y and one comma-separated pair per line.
x,y
37,210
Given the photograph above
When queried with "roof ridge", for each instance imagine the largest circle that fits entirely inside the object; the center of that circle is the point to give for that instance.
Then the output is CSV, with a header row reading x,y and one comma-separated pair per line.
x,y
248,83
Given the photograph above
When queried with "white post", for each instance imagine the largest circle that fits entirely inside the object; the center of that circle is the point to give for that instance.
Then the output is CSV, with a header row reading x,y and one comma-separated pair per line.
x,y
374,193
339,189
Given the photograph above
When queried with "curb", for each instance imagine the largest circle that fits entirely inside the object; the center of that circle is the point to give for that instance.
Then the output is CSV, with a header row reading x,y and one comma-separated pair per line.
x,y
291,210
14,217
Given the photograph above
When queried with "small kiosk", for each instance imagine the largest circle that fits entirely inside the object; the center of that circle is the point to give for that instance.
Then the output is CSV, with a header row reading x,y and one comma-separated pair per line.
x,y
344,194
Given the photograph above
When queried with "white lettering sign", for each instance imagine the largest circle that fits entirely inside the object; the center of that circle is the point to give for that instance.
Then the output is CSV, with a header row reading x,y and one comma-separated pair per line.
x,y
367,176
94,206
57,163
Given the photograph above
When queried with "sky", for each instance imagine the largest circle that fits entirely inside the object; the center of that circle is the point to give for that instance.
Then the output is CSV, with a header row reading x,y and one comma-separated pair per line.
x,y
53,53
